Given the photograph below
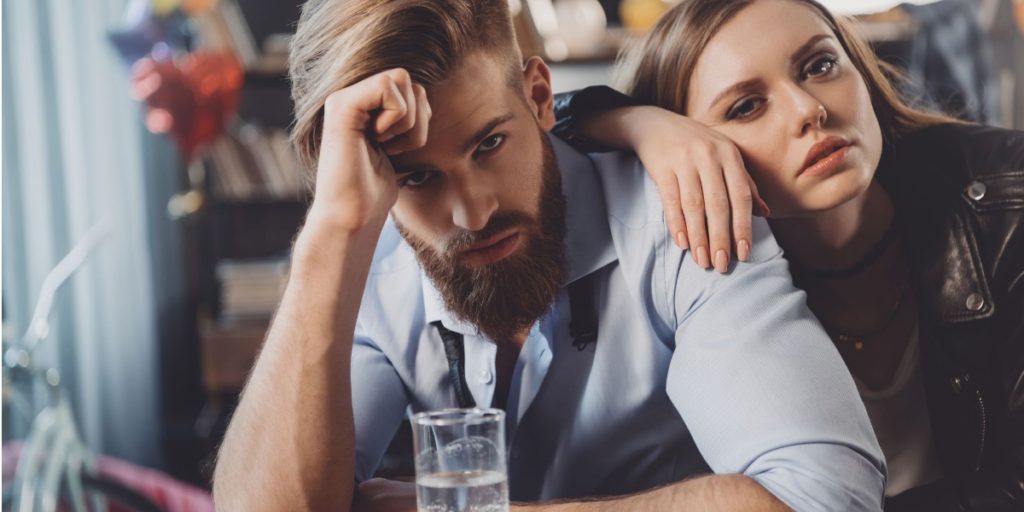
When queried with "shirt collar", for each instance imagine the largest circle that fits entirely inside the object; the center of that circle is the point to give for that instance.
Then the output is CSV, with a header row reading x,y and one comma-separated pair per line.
x,y
588,238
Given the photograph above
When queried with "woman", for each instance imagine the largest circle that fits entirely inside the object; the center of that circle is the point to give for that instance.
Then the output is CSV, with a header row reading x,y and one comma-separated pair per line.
x,y
905,228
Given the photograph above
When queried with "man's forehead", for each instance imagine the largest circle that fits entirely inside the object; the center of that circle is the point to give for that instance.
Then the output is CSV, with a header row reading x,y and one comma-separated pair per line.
x,y
476,92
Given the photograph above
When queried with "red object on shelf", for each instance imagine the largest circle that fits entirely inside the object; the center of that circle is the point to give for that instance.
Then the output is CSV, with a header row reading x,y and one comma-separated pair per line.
x,y
189,98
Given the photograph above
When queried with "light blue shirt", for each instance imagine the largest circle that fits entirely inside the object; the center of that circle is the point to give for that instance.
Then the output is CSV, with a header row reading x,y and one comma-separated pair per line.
x,y
693,372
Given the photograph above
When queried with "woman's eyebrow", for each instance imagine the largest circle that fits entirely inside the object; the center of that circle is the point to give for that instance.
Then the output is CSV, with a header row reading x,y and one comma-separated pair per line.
x,y
806,48
738,86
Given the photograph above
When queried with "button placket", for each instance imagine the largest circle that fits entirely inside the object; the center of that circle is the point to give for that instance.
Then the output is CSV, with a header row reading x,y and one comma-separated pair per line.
x,y
484,376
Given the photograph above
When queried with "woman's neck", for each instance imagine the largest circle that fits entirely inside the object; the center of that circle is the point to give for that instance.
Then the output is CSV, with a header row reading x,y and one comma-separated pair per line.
x,y
840,237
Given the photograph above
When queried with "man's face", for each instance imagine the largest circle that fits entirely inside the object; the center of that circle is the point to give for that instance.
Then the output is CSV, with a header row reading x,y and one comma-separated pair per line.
x,y
481,202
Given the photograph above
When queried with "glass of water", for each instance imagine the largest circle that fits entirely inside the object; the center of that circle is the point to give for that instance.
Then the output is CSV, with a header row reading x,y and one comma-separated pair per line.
x,y
460,460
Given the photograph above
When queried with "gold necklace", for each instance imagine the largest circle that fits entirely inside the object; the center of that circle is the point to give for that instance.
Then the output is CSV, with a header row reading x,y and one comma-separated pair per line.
x,y
858,338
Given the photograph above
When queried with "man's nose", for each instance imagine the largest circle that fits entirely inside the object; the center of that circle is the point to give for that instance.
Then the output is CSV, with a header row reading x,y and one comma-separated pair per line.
x,y
809,113
474,203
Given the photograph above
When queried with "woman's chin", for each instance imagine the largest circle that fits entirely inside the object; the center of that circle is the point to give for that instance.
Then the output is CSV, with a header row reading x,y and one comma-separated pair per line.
x,y
822,196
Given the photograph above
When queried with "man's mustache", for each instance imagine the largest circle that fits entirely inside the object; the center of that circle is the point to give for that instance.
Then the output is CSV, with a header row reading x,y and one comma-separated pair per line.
x,y
464,238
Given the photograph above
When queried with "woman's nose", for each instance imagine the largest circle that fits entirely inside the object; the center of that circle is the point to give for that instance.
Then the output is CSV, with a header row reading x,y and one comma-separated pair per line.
x,y
810,113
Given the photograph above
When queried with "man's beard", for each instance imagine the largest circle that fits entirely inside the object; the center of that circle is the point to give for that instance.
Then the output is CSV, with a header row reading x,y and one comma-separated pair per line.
x,y
504,298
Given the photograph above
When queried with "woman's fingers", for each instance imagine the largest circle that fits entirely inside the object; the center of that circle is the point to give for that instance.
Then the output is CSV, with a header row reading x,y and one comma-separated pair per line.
x,y
761,208
741,203
668,189
716,205
691,196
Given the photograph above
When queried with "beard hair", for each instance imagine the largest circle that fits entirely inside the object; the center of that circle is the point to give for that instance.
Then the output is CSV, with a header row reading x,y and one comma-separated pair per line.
x,y
506,297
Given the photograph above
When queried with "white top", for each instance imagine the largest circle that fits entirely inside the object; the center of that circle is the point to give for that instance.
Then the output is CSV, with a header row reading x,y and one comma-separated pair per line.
x,y
899,414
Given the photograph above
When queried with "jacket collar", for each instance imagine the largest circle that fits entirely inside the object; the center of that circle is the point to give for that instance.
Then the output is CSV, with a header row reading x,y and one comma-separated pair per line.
x,y
934,214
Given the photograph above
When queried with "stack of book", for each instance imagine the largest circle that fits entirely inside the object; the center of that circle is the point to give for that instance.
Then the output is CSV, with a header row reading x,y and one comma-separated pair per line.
x,y
250,290
255,163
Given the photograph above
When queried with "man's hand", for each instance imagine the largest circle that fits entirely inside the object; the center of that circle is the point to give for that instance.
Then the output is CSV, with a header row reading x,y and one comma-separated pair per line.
x,y
381,495
363,123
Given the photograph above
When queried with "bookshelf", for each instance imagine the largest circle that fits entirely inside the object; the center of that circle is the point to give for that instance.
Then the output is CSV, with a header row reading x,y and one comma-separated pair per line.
x,y
238,244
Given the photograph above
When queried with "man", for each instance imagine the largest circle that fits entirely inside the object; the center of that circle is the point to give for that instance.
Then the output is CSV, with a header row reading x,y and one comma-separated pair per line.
x,y
518,273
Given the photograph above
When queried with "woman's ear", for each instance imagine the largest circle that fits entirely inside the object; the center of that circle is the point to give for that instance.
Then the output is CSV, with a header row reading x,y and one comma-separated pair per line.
x,y
537,90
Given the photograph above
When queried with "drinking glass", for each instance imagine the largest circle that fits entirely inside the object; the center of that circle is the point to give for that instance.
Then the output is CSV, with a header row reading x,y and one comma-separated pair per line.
x,y
460,460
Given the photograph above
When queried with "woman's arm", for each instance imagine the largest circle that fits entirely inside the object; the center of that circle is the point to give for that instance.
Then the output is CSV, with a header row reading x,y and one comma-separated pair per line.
x,y
705,190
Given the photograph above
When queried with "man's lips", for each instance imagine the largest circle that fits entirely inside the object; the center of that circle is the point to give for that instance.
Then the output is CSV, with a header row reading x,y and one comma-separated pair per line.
x,y
824,156
493,249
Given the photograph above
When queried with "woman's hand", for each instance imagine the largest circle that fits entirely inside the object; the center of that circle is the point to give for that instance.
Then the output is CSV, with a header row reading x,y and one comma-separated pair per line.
x,y
706,192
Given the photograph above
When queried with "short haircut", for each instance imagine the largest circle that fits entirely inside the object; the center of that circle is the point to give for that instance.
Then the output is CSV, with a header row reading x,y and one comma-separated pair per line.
x,y
341,42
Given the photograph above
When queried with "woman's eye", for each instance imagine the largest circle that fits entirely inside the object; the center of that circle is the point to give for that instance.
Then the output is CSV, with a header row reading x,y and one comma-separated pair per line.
x,y
821,67
416,179
491,143
744,108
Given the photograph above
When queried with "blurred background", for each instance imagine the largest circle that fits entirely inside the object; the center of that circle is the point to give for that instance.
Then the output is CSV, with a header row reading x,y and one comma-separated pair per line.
x,y
148,139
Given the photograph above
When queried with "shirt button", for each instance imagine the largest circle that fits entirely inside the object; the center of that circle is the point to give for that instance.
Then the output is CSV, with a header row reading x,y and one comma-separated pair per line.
x,y
484,377
975,302
976,190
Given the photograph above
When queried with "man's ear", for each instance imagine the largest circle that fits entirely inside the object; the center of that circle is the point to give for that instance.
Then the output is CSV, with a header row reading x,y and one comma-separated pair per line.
x,y
537,89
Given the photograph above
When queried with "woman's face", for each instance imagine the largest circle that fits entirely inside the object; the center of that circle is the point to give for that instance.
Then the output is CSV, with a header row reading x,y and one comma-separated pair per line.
x,y
776,81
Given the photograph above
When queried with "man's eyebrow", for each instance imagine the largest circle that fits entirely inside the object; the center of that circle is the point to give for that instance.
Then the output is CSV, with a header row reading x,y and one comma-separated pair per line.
x,y
483,132
797,56
467,146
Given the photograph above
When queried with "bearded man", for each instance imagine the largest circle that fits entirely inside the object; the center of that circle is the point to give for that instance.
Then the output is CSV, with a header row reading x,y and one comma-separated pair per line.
x,y
455,255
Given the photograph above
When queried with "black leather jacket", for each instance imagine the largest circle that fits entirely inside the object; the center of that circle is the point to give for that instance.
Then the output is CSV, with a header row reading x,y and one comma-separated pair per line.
x,y
959,195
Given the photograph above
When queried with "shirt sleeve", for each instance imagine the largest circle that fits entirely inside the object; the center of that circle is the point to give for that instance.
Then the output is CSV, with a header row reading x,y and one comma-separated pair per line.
x,y
379,402
763,390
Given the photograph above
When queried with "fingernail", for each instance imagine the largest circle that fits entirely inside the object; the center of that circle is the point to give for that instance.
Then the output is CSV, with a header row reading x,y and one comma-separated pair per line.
x,y
743,250
764,207
681,241
721,261
384,137
702,257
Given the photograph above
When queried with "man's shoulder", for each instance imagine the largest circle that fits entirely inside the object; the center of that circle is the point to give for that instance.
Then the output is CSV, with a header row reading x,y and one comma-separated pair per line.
x,y
631,197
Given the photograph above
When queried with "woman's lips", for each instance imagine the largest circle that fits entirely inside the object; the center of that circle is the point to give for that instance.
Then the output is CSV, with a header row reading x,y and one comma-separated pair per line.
x,y
828,163
492,251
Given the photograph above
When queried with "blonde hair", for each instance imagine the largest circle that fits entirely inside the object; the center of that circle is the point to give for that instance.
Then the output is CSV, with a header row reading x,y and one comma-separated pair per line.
x,y
340,42
657,68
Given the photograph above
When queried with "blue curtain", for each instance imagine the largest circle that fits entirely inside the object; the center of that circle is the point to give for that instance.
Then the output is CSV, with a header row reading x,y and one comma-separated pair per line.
x,y
74,152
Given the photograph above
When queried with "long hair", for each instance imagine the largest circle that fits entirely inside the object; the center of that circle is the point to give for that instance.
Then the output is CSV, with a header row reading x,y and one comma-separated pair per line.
x,y
340,42
657,68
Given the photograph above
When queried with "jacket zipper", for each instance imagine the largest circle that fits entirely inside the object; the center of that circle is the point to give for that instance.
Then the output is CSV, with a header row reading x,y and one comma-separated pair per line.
x,y
981,442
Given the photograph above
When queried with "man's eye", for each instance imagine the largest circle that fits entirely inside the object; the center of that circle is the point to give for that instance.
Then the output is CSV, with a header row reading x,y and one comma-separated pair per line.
x,y
744,108
491,143
416,179
821,67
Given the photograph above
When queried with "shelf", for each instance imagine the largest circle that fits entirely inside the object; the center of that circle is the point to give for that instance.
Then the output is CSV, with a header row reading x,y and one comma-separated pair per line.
x,y
228,351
